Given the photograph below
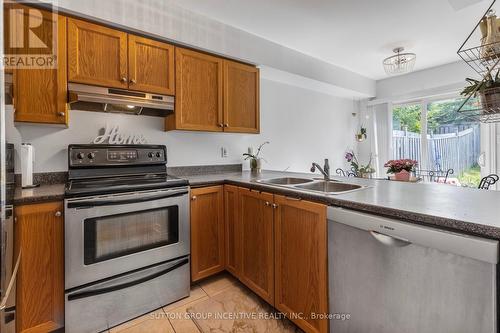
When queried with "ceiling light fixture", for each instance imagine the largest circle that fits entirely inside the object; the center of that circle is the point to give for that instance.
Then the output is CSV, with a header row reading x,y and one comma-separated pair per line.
x,y
399,63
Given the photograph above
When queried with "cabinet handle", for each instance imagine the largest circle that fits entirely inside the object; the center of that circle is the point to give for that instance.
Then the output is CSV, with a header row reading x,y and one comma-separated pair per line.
x,y
58,214
193,197
275,206
123,79
293,198
61,114
133,81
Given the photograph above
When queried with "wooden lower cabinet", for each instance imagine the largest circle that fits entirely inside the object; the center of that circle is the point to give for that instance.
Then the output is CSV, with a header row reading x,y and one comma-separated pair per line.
x,y
40,281
207,231
301,261
275,245
257,228
233,230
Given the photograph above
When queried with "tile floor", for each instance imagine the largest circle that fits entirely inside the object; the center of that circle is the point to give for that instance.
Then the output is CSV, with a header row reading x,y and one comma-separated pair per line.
x,y
171,318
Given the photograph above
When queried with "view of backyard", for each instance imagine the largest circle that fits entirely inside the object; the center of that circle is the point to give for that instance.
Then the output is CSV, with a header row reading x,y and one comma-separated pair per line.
x,y
450,142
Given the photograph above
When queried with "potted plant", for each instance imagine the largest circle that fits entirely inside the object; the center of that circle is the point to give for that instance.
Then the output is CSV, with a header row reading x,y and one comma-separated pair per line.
x,y
401,168
361,135
362,171
488,90
255,160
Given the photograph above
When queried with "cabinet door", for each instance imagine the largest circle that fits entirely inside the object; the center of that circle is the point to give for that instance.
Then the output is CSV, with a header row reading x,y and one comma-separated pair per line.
x,y
40,283
233,230
241,98
256,216
150,65
40,95
198,104
207,231
96,55
301,261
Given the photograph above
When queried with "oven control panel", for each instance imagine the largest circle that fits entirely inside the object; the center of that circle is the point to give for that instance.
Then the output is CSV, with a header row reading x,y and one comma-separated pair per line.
x,y
108,155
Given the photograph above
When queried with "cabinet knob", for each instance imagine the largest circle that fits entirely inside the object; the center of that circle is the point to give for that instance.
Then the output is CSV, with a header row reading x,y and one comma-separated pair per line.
x,y
193,197
226,125
221,125
267,203
61,114
275,205
123,79
58,214
133,81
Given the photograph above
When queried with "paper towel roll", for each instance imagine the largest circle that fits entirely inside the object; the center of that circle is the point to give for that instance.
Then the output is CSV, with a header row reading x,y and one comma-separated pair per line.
x,y
27,164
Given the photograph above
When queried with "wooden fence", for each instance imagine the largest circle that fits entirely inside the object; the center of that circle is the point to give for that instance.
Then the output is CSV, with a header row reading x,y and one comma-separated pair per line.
x,y
458,151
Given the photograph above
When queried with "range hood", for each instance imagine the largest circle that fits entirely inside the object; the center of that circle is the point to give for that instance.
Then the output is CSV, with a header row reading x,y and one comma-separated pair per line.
x,y
93,98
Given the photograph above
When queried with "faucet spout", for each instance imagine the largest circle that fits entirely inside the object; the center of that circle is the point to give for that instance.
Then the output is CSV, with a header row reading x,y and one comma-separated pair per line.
x,y
325,171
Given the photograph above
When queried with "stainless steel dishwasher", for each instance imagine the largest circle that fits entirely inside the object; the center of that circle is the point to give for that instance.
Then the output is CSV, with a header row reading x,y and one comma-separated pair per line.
x,y
388,276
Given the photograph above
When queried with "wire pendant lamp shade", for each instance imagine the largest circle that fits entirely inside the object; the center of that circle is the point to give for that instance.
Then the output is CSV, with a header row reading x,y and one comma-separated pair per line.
x,y
399,63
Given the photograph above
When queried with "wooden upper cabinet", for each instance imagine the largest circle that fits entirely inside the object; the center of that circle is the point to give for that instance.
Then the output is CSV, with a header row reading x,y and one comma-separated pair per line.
x,y
97,55
233,230
207,231
241,98
40,281
151,65
256,216
301,261
40,95
198,104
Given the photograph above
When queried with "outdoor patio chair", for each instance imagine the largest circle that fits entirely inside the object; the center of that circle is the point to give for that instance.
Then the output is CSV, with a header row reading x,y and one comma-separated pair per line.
x,y
488,181
436,176
345,173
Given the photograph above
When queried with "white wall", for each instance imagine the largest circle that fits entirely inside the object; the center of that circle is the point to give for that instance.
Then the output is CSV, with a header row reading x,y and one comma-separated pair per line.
x,y
302,125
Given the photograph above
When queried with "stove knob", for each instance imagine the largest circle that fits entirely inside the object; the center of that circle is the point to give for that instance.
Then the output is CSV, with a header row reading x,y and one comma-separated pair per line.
x,y
91,155
150,154
80,156
158,154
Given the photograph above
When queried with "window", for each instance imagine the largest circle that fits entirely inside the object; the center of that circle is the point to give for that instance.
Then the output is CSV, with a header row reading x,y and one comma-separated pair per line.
x,y
445,143
406,132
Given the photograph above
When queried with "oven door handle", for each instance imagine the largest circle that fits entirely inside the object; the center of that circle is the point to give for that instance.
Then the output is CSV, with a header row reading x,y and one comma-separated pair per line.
x,y
113,202
90,293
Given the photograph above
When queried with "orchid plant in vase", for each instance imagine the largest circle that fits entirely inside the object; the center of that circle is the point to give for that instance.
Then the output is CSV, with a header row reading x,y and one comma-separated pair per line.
x,y
362,171
255,160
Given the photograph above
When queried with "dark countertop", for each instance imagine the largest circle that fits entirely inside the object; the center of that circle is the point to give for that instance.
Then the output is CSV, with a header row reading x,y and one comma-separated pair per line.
x,y
465,210
43,193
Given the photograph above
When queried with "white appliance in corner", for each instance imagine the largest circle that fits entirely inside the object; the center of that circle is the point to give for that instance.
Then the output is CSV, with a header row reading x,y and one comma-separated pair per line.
x,y
27,165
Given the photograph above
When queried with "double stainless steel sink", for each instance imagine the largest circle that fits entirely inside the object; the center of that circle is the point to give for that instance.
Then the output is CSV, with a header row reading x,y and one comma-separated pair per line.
x,y
313,185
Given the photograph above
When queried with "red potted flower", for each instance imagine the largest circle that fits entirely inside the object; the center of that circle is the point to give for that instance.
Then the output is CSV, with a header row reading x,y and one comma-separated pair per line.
x,y
401,168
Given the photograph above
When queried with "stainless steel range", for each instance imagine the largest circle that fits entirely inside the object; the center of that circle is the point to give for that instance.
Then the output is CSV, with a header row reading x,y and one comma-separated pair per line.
x,y
126,235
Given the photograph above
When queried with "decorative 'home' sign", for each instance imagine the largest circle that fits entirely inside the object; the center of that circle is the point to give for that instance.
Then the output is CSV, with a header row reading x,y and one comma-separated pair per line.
x,y
113,136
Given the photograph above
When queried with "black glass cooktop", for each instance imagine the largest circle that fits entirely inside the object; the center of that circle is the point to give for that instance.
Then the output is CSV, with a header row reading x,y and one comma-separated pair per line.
x,y
122,184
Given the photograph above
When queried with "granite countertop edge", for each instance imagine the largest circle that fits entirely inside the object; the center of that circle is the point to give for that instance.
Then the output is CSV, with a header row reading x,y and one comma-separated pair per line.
x,y
55,192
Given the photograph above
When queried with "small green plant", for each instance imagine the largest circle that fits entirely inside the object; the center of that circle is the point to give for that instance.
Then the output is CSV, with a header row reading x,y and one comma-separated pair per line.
x,y
477,87
362,134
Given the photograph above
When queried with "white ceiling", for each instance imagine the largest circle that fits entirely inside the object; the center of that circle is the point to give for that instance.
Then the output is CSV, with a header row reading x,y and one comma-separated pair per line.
x,y
354,34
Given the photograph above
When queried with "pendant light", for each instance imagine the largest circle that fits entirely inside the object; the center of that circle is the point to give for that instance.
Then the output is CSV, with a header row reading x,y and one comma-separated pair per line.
x,y
399,63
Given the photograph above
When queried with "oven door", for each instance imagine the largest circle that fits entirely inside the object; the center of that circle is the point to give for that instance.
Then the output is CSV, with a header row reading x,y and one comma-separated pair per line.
x,y
114,234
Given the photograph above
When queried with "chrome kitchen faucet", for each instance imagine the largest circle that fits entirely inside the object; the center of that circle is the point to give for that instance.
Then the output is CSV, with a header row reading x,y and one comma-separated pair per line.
x,y
325,170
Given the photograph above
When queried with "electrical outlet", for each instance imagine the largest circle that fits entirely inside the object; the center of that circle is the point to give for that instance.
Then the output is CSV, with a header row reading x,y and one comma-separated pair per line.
x,y
223,152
